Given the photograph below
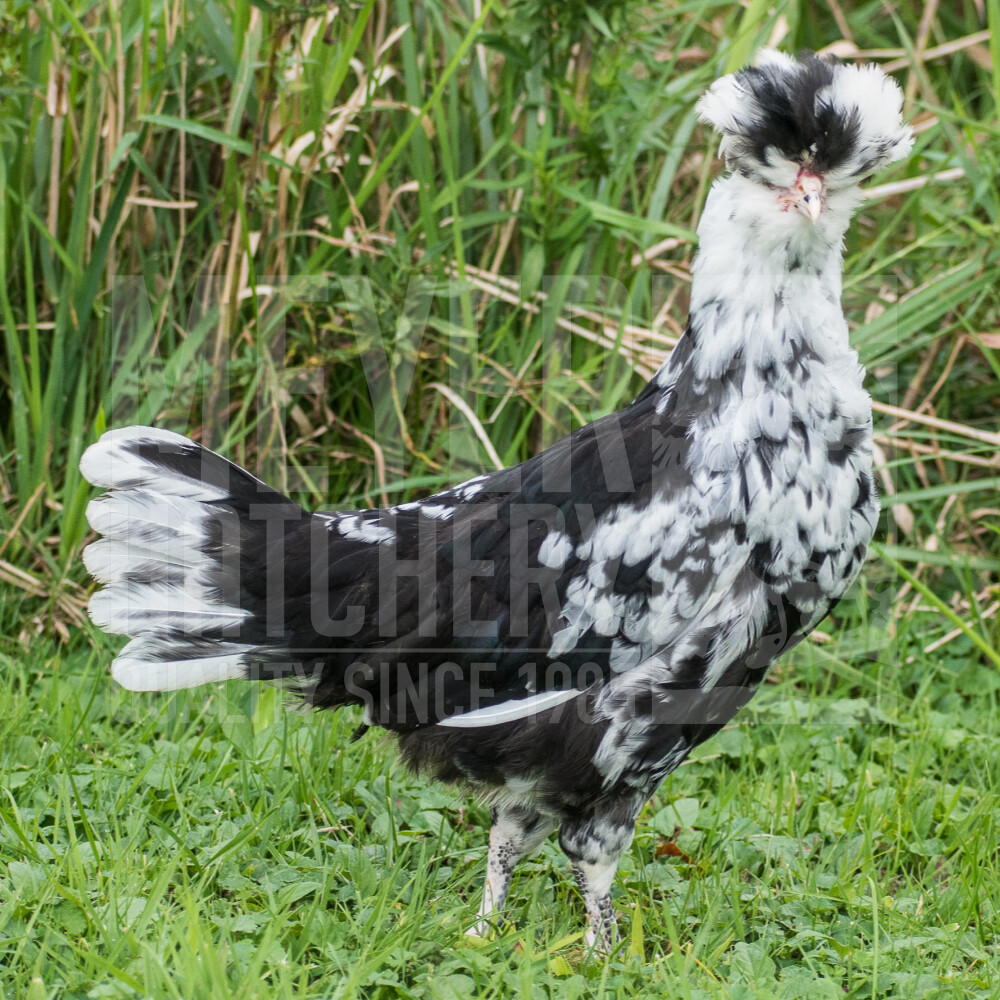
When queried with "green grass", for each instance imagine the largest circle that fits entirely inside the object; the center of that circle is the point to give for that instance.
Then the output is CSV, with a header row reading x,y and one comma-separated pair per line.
x,y
510,207
840,841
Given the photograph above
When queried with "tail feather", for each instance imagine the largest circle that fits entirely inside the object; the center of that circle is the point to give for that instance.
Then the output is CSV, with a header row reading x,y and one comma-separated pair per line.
x,y
127,609
160,521
109,560
178,542
147,666
158,461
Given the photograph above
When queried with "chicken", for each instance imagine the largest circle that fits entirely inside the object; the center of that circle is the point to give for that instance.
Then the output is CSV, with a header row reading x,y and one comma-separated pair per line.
x,y
559,635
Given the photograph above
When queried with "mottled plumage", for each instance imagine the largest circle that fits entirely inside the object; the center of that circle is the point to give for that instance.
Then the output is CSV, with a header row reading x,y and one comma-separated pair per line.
x,y
559,635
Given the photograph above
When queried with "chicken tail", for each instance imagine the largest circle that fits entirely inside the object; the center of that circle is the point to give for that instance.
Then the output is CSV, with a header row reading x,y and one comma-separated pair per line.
x,y
183,559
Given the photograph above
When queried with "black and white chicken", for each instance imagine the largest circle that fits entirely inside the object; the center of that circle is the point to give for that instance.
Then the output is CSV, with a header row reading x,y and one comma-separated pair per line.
x,y
559,635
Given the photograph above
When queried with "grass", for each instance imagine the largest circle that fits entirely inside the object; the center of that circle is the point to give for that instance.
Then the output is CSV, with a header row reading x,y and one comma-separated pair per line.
x,y
840,841
510,208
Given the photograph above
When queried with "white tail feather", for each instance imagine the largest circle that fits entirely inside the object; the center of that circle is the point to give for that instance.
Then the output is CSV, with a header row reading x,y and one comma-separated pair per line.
x,y
113,464
108,559
126,609
172,675
150,518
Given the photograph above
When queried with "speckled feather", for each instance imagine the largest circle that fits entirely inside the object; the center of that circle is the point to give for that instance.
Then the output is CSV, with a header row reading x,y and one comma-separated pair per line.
x,y
561,634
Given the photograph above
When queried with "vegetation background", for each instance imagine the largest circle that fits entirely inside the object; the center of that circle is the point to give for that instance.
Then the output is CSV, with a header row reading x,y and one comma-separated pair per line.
x,y
518,186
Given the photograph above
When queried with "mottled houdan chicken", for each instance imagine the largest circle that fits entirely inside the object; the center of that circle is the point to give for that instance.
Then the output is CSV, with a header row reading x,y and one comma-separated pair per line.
x,y
557,636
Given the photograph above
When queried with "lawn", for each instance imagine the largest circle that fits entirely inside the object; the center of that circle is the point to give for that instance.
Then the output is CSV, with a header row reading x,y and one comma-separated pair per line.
x,y
232,219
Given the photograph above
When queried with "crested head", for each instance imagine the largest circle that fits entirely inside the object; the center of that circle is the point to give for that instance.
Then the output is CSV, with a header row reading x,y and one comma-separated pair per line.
x,y
842,123
799,136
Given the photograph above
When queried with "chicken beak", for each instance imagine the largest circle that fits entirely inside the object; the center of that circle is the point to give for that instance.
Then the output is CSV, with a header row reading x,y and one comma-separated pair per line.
x,y
806,195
